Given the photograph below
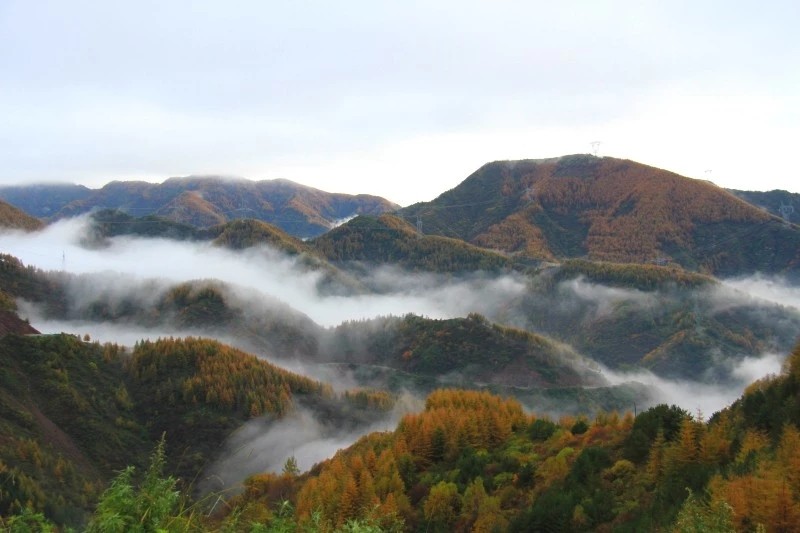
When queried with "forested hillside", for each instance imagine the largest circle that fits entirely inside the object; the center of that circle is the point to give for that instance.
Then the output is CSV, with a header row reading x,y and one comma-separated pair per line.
x,y
676,323
73,413
13,218
389,240
476,462
773,201
611,210
673,322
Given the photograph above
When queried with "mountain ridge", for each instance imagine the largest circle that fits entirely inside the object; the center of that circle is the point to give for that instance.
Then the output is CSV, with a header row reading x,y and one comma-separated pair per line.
x,y
611,210
300,210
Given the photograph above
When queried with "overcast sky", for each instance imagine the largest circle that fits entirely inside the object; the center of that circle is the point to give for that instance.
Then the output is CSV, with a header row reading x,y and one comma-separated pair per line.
x,y
402,99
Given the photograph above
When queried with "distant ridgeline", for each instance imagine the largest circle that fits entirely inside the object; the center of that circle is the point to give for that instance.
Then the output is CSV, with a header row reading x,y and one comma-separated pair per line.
x,y
202,202
513,213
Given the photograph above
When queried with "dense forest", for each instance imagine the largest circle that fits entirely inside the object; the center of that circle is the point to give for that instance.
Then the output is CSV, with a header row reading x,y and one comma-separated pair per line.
x,y
470,461
74,412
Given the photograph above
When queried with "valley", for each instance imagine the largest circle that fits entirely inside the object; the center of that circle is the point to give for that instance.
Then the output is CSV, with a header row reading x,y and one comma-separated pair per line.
x,y
573,340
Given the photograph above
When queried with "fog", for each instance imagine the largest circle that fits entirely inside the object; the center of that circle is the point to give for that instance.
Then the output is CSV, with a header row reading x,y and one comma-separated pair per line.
x,y
697,397
127,261
263,280
774,290
264,445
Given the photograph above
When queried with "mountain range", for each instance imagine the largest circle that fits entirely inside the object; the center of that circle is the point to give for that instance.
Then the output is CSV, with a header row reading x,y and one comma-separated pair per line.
x,y
576,206
202,202
575,287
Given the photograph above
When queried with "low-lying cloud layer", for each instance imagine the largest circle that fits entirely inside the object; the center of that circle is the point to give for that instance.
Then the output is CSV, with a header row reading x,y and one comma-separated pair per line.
x,y
697,397
141,270
128,261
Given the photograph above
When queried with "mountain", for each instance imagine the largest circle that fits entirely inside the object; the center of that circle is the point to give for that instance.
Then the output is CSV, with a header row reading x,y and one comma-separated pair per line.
x,y
467,461
627,317
612,210
390,240
13,218
772,201
43,200
206,201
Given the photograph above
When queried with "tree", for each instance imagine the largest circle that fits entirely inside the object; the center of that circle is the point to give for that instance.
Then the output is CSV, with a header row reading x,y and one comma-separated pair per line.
x,y
290,467
153,506
697,516
441,507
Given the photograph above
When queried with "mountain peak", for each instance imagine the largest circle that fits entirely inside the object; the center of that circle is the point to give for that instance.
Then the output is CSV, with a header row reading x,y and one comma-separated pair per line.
x,y
609,209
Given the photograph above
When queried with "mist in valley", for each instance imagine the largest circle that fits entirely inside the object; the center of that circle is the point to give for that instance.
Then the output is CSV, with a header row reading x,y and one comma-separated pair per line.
x,y
129,275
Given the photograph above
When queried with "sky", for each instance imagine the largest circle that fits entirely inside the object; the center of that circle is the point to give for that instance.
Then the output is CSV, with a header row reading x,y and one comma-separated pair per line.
x,y
401,99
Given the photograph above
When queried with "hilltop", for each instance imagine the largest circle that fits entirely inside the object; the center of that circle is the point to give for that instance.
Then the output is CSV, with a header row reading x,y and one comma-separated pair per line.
x,y
204,201
611,210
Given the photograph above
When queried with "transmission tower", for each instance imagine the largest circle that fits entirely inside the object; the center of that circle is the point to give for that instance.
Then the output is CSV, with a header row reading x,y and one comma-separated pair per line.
x,y
786,211
595,146
419,225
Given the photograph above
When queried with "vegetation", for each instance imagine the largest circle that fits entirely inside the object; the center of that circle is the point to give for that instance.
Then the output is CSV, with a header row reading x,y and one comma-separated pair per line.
x,y
473,462
610,210
470,461
72,412
203,202
13,218
422,353
388,239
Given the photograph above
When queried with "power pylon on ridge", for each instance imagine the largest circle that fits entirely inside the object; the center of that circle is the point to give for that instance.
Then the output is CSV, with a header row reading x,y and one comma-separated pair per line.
x,y
595,147
785,211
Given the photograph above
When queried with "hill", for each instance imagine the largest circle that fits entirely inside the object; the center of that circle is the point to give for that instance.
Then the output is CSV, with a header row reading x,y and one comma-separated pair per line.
x,y
772,202
13,218
627,317
43,200
389,240
612,210
676,323
473,461
74,413
467,351
476,462
207,201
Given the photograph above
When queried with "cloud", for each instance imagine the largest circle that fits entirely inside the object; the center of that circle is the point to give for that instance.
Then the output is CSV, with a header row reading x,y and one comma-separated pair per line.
x,y
767,289
604,298
264,445
695,396
140,268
